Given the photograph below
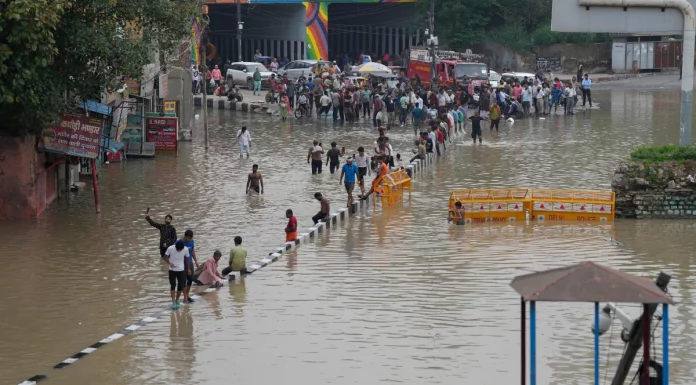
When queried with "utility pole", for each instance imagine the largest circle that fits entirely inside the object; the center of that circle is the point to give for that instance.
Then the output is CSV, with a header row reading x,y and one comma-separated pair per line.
x,y
204,43
431,19
239,30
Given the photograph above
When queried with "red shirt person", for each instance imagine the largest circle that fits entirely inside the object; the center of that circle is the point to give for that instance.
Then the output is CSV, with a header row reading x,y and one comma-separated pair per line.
x,y
291,228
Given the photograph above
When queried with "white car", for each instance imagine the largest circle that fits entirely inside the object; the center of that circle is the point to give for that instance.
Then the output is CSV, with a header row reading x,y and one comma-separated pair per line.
x,y
298,68
494,79
242,73
517,76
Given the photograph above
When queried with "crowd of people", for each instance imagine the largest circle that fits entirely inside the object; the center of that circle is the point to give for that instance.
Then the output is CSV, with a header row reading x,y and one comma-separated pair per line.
x,y
435,111
542,95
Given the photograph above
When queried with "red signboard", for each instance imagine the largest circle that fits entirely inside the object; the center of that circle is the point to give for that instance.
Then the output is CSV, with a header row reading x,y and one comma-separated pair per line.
x,y
75,135
164,132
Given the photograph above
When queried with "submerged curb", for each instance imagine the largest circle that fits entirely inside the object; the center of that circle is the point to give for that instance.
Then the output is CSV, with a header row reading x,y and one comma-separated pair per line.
x,y
224,104
276,254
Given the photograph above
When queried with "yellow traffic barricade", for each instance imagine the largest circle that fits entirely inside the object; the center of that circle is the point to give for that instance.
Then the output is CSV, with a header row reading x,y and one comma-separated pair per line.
x,y
492,205
573,205
391,188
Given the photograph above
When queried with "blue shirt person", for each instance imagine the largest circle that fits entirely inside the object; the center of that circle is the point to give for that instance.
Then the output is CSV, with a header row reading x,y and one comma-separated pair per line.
x,y
350,171
586,83
556,94
188,242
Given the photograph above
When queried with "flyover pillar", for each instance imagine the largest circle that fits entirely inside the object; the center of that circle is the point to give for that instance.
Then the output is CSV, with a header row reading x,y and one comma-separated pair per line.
x,y
317,27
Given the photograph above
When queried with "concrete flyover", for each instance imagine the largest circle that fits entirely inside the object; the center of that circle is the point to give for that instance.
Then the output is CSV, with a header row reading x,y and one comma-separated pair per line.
x,y
301,30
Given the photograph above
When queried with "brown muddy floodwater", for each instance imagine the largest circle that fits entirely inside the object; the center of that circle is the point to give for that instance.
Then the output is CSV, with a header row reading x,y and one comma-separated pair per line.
x,y
393,296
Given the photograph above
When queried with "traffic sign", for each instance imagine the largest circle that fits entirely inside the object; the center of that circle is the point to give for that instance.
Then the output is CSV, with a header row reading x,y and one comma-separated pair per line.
x,y
480,207
499,206
582,207
543,206
602,208
561,206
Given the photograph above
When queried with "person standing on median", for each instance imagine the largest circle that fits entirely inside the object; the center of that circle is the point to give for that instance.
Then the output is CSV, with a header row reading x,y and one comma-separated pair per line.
x,y
351,173
177,257
192,260
237,260
291,228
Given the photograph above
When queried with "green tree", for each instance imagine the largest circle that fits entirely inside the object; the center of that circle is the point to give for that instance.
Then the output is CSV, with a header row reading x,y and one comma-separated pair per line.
x,y
53,53
514,23
459,23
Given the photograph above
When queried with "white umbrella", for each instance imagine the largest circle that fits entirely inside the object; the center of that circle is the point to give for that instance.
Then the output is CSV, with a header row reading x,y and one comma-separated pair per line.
x,y
373,67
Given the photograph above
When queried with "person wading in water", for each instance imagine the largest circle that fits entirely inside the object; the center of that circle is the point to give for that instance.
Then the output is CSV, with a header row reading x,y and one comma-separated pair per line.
x,y
254,181
167,231
332,158
458,214
314,154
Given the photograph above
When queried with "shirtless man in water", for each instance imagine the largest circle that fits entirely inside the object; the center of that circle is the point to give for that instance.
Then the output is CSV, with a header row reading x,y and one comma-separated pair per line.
x,y
315,154
323,213
255,179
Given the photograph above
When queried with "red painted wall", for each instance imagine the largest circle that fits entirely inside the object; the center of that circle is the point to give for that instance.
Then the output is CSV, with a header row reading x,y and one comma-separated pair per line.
x,y
20,165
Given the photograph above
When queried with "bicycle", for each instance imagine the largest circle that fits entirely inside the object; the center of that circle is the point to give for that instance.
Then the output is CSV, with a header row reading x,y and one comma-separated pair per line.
x,y
301,110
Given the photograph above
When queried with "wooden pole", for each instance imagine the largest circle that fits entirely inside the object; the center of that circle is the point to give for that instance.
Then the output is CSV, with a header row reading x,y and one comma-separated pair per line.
x,y
95,185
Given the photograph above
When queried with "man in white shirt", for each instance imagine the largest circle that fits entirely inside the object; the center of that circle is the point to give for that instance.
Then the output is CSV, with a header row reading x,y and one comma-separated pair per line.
x,y
325,102
196,74
177,257
418,101
244,142
389,152
362,161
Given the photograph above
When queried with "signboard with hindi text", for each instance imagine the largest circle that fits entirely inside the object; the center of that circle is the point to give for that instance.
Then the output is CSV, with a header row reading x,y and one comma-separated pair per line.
x,y
163,131
170,107
75,135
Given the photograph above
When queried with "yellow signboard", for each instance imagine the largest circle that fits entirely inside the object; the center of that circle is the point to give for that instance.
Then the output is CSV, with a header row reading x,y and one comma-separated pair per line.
x,y
170,107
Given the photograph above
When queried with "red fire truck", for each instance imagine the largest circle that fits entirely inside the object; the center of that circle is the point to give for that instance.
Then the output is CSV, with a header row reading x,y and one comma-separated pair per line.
x,y
450,67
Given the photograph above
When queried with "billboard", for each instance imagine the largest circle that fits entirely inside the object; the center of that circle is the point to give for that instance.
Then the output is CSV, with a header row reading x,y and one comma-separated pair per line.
x,y
75,135
164,132
569,16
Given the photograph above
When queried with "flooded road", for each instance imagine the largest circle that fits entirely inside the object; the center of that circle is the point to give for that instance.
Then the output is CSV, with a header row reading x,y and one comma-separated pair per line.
x,y
395,297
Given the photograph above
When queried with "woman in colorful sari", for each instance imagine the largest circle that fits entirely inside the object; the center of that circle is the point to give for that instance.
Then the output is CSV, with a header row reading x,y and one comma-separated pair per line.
x,y
284,106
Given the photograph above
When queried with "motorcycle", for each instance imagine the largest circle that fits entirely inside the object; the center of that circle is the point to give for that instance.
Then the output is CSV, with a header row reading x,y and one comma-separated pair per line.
x,y
514,108
234,94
